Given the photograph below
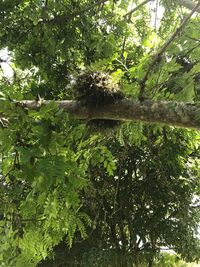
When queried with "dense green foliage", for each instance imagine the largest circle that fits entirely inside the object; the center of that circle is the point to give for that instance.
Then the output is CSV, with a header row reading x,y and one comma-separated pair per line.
x,y
70,197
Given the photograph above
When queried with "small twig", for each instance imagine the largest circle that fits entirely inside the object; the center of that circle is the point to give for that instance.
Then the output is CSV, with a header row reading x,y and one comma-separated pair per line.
x,y
158,55
136,8
125,37
192,49
129,14
192,38
125,67
157,84
123,46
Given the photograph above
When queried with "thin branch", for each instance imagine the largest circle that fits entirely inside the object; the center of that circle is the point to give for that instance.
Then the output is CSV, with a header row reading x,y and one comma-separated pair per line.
x,y
192,38
127,16
178,30
192,49
123,64
158,55
157,83
123,46
188,4
136,8
125,37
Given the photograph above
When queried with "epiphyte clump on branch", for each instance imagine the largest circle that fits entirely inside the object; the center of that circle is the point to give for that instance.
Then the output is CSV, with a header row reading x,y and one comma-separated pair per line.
x,y
95,88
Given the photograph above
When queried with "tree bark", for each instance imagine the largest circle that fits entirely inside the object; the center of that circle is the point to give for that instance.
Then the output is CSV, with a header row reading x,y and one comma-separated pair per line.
x,y
186,115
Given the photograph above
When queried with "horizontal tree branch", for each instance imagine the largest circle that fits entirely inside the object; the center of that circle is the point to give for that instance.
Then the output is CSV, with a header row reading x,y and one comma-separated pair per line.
x,y
179,114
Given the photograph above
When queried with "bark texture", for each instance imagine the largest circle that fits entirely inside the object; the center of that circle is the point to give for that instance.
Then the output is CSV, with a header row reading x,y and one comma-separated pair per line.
x,y
186,115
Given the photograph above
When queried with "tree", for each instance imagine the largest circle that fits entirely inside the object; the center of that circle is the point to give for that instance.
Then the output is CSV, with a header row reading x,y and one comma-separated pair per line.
x,y
144,206
55,169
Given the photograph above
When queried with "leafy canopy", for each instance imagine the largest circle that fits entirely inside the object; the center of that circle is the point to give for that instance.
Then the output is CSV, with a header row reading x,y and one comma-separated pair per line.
x,y
118,198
